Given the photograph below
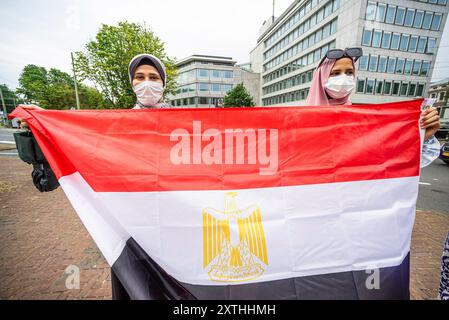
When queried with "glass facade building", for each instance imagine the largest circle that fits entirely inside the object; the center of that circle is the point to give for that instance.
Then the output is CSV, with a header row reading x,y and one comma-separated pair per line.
x,y
400,39
203,81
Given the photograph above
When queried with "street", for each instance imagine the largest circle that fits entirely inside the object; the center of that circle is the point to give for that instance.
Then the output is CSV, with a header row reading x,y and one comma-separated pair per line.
x,y
6,138
434,188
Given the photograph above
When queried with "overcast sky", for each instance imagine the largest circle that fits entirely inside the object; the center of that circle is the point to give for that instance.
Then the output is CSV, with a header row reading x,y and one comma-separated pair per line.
x,y
44,32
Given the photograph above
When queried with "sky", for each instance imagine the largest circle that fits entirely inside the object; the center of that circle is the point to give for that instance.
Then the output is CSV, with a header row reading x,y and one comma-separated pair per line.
x,y
44,32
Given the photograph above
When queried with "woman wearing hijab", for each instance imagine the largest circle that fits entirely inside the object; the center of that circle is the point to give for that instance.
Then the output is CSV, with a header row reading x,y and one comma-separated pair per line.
x,y
148,78
334,81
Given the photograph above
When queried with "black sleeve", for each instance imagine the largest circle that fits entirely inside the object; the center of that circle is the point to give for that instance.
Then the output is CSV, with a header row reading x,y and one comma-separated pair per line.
x,y
29,151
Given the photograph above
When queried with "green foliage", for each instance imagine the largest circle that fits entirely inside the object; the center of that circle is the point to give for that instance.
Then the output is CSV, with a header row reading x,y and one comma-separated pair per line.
x,y
238,97
106,58
10,98
55,89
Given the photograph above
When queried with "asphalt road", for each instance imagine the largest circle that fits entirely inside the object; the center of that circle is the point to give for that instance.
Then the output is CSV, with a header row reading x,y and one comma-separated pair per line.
x,y
6,137
433,189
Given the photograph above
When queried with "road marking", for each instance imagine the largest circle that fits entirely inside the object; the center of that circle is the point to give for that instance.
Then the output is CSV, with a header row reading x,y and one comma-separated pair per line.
x,y
8,142
8,154
425,184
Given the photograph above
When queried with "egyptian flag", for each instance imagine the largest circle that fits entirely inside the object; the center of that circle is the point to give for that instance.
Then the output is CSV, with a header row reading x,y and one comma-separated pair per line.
x,y
244,203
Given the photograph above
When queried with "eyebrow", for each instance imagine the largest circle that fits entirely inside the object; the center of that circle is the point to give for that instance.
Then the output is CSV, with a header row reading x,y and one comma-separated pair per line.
x,y
151,73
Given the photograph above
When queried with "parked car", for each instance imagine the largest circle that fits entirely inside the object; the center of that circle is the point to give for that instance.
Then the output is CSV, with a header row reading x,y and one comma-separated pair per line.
x,y
444,153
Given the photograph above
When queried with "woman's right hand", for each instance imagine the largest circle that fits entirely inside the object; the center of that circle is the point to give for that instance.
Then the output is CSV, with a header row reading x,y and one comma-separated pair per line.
x,y
23,124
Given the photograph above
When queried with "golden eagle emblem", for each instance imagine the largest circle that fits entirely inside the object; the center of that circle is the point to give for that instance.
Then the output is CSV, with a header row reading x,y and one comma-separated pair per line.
x,y
234,246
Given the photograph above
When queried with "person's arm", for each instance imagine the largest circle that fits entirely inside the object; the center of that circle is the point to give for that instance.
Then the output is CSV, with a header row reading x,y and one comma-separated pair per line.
x,y
23,124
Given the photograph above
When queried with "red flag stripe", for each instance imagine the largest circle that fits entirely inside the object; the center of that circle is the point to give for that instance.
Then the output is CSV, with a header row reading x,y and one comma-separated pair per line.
x,y
129,150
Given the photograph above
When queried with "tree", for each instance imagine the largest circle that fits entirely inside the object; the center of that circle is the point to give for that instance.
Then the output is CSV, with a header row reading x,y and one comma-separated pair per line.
x,y
105,60
238,97
10,98
55,89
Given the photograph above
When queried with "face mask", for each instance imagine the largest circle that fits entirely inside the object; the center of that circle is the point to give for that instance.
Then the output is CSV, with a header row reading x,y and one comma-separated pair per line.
x,y
340,86
148,93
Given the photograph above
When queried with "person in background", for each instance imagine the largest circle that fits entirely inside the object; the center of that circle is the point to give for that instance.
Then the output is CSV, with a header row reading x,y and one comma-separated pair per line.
x,y
334,81
443,291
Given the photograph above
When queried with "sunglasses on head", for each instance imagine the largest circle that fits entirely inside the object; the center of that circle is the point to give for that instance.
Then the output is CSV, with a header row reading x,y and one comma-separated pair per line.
x,y
354,53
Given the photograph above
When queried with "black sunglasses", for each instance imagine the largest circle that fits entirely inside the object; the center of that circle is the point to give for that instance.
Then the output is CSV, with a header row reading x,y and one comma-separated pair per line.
x,y
354,53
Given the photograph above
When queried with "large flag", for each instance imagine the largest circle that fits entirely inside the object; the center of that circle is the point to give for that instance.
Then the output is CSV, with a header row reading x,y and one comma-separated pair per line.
x,y
251,203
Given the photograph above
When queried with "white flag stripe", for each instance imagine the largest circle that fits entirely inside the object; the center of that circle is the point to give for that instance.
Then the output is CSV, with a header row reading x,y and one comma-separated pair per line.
x,y
309,230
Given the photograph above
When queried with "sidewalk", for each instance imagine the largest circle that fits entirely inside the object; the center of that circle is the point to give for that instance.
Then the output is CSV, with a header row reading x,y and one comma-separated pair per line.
x,y
41,235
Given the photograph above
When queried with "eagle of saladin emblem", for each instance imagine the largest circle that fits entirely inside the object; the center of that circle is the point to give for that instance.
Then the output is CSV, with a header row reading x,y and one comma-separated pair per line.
x,y
234,245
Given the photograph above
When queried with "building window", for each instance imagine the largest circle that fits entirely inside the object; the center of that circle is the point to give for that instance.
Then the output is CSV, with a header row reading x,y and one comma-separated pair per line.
x,y
228,74
418,19
383,64
203,73
377,37
416,67
386,39
404,42
441,97
371,10
379,85
370,86
203,100
391,11
363,63
436,22
400,66
427,20
395,39
425,68
396,86
408,66
412,89
422,45
216,73
361,85
215,87
380,13
391,65
409,16
404,88
203,86
367,37
373,63
420,90
431,44
387,87
400,14
413,44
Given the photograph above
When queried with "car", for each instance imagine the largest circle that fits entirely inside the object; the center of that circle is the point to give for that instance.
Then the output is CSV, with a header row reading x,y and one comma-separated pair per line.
x,y
444,153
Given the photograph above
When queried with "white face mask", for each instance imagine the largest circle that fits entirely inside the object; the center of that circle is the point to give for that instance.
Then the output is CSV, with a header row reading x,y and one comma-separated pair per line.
x,y
148,93
340,86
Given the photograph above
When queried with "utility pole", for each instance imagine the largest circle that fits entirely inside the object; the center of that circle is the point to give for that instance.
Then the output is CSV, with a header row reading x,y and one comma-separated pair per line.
x,y
273,8
4,107
76,85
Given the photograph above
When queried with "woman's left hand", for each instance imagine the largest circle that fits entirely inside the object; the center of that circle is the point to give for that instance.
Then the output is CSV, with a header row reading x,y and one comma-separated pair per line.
x,y
430,120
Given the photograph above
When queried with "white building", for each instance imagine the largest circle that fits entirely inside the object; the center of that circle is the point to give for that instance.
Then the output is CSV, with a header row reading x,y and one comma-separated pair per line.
x,y
400,40
203,81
